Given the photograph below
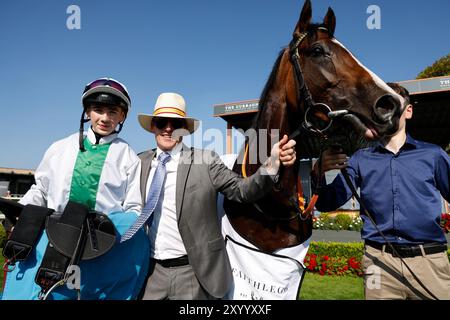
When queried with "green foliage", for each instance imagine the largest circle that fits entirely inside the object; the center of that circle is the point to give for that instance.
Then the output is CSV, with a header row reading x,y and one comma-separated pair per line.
x,y
343,220
340,222
440,68
2,236
341,249
337,249
356,224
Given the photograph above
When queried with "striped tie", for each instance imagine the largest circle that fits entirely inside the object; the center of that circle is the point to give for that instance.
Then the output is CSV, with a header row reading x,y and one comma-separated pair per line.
x,y
152,198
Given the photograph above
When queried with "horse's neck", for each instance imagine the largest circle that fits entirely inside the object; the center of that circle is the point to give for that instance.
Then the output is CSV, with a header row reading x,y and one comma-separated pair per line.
x,y
270,127
273,118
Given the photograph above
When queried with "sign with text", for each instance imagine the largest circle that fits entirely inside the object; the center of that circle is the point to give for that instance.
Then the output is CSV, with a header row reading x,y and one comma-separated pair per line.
x,y
238,107
427,85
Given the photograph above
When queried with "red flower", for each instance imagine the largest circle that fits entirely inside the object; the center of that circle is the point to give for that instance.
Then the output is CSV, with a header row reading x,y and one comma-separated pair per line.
x,y
312,264
353,263
445,222
327,265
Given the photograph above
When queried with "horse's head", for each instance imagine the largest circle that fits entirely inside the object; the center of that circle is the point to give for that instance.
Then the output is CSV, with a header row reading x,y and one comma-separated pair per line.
x,y
335,78
314,80
317,77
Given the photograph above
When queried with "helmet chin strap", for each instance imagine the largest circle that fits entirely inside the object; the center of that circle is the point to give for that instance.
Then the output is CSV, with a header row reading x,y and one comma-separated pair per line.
x,y
81,130
120,127
83,120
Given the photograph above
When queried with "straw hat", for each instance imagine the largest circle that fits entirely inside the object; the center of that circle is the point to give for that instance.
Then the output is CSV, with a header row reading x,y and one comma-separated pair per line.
x,y
168,105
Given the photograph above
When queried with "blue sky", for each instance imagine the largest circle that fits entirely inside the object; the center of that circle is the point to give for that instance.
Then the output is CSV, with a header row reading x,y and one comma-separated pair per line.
x,y
209,51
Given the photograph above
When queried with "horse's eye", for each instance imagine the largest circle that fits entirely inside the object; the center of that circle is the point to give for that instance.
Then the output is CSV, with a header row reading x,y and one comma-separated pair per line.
x,y
317,51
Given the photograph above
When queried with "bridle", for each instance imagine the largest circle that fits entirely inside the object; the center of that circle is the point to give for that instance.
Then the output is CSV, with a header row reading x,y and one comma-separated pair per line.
x,y
304,96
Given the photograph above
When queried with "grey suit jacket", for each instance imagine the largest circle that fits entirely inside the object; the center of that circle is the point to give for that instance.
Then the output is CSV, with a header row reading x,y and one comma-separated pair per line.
x,y
200,176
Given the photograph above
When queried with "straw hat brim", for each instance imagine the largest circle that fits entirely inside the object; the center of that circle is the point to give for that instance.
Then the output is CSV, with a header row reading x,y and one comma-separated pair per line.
x,y
145,121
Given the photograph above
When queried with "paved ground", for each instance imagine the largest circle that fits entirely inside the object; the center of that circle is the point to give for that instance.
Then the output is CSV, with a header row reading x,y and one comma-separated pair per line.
x,y
336,236
342,236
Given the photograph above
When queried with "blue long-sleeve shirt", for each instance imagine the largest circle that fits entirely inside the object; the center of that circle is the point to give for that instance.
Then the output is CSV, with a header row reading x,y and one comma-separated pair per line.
x,y
402,191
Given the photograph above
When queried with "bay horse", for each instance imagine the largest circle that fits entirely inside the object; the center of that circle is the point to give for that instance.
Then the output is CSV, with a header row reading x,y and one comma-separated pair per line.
x,y
315,72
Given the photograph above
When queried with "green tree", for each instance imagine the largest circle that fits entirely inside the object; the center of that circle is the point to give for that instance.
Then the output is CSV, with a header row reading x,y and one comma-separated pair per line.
x,y
440,68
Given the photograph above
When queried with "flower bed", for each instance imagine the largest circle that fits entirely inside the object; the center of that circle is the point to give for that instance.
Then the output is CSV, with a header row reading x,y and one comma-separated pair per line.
x,y
337,266
336,258
445,222
340,222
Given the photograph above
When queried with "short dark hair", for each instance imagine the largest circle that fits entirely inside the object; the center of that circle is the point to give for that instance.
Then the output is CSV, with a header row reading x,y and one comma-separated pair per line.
x,y
401,91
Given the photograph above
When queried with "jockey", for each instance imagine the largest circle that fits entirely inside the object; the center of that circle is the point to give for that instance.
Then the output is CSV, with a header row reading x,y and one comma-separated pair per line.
x,y
99,170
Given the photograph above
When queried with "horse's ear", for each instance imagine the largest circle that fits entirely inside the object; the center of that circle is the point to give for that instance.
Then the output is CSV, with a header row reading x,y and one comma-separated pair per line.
x,y
329,21
305,19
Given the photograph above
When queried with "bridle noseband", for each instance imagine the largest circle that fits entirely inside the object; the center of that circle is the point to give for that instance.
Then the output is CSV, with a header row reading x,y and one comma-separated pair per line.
x,y
304,96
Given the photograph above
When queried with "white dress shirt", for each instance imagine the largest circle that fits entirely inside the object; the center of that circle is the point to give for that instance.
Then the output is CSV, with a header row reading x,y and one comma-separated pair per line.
x,y
165,238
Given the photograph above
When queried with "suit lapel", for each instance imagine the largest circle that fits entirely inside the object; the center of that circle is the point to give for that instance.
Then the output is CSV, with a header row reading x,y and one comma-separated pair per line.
x,y
146,164
184,166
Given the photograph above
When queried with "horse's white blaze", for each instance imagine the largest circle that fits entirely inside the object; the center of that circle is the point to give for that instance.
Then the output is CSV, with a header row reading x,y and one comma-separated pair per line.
x,y
380,83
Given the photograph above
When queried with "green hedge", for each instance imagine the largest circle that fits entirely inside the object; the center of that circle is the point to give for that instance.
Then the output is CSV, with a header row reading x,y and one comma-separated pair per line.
x,y
2,236
341,249
337,249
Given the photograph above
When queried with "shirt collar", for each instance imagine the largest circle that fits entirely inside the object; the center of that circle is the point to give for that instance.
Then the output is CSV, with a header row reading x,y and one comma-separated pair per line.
x,y
104,140
174,153
410,143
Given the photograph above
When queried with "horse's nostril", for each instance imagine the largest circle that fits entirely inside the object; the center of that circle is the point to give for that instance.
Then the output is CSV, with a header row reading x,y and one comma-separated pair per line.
x,y
385,107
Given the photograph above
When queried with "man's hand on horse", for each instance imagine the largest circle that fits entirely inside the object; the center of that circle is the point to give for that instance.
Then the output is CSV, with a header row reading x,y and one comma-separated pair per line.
x,y
287,152
282,152
332,159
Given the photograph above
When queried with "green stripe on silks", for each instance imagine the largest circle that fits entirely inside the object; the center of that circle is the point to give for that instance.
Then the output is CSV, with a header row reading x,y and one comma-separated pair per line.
x,y
87,172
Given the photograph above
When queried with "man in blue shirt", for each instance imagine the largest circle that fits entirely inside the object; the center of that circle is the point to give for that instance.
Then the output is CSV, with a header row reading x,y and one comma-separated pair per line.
x,y
401,181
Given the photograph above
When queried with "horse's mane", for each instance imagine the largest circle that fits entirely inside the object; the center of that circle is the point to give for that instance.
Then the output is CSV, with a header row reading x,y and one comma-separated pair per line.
x,y
267,88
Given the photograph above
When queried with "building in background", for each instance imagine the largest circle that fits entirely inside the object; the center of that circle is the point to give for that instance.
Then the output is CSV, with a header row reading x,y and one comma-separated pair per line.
x,y
15,182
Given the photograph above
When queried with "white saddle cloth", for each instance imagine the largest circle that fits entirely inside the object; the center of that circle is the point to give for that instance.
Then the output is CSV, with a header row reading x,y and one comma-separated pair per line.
x,y
258,275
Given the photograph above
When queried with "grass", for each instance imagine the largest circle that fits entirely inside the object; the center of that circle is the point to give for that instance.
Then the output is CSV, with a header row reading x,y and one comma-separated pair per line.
x,y
317,287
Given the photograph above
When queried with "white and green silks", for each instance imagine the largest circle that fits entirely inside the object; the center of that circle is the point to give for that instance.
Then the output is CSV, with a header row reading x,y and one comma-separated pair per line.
x,y
106,179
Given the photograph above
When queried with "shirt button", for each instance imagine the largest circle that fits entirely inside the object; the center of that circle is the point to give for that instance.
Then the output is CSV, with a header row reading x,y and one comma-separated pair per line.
x,y
82,183
88,163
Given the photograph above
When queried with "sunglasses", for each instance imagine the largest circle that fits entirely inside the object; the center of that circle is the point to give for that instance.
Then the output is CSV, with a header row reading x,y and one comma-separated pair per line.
x,y
161,123
109,83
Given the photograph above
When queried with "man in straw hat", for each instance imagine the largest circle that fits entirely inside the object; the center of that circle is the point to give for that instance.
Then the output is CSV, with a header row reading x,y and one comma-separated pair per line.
x,y
189,260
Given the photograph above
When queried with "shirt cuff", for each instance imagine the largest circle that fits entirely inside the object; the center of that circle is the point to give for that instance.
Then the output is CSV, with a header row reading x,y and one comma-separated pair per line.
x,y
273,173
